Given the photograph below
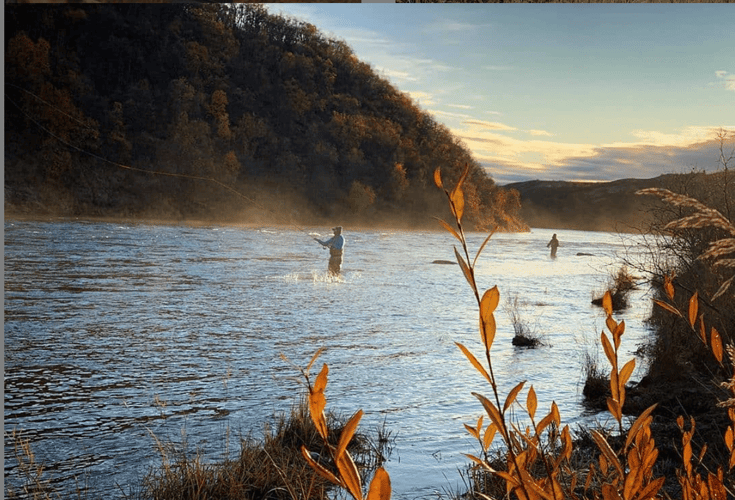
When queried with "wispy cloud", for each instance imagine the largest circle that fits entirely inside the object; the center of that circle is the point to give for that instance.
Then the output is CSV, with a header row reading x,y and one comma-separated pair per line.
x,y
727,79
423,98
485,125
540,132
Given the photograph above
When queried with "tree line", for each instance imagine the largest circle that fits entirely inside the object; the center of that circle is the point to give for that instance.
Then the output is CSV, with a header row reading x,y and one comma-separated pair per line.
x,y
266,105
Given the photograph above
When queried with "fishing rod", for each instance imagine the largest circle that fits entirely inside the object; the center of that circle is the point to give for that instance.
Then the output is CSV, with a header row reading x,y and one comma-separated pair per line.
x,y
136,169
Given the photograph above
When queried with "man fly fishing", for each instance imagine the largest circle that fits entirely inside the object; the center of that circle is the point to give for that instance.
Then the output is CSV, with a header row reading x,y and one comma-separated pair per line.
x,y
336,245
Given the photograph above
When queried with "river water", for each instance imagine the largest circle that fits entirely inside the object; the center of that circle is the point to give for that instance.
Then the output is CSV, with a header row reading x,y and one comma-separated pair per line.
x,y
118,332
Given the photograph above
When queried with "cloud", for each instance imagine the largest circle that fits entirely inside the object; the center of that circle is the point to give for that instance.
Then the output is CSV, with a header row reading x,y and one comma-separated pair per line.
x,y
540,132
423,98
482,124
727,79
509,159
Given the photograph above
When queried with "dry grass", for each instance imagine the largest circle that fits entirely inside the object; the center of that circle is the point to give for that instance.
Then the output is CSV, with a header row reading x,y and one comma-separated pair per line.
x,y
271,468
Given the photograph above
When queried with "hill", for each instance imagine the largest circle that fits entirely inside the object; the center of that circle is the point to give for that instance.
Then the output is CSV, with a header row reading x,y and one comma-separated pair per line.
x,y
222,112
588,206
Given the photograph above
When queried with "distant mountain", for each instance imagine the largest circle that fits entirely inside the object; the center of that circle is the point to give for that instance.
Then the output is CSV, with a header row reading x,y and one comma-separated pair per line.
x,y
218,111
588,206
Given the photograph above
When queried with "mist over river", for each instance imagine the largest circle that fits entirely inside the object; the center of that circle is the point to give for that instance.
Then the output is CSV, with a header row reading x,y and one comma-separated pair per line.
x,y
115,332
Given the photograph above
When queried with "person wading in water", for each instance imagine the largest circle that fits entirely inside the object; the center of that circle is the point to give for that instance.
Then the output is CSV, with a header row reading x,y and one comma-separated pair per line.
x,y
336,244
554,244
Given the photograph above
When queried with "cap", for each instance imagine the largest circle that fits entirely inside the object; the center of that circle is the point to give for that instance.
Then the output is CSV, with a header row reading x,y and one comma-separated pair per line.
x,y
337,228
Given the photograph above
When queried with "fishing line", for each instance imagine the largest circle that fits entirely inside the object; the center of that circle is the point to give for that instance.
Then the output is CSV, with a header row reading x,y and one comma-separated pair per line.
x,y
135,169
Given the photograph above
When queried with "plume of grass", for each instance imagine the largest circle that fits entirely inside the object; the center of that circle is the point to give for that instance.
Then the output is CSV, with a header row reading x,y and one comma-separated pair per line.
x,y
703,217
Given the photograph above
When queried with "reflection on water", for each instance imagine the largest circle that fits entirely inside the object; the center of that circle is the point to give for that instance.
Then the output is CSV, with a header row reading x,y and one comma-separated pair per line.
x,y
116,331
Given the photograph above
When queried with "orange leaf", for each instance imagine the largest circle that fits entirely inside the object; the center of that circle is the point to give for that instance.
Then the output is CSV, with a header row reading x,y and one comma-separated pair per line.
x,y
609,492
651,491
474,362
487,439
318,468
438,178
669,287
348,432
313,358
614,407
666,306
512,396
350,476
555,413
716,344
531,402
490,300
380,488
317,402
611,324
492,412
466,270
607,347
693,306
457,196
702,333
609,454
473,432
617,333
607,303
626,372
457,203
483,245
642,419
487,330
450,229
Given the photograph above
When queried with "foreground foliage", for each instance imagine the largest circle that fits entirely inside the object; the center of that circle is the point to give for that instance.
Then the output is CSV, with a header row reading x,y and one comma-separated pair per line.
x,y
535,461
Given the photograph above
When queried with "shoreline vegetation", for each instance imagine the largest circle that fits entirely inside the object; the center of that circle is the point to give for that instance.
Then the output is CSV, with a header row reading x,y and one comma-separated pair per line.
x,y
673,433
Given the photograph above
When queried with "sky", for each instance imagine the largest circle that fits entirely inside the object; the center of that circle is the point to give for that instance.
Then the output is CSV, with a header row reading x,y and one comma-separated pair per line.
x,y
577,92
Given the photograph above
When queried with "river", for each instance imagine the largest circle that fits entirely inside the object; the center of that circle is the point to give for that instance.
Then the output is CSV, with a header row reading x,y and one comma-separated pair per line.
x,y
116,332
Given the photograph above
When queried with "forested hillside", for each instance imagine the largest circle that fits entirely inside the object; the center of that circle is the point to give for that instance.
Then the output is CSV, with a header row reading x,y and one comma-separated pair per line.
x,y
262,113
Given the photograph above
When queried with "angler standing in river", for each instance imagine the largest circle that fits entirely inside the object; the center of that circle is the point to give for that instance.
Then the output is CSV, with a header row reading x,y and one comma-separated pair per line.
x,y
554,244
336,245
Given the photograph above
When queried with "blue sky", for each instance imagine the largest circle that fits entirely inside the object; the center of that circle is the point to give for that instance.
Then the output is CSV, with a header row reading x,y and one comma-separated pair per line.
x,y
556,91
